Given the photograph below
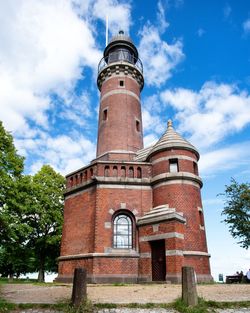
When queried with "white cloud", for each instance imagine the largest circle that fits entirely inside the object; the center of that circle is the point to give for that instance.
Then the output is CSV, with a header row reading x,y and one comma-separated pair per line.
x,y
246,26
149,140
152,122
200,32
230,157
40,54
118,14
77,108
163,24
64,153
45,49
210,114
227,11
159,58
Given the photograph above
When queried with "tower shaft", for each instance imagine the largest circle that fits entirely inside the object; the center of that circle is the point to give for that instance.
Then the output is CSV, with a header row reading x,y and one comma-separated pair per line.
x,y
120,81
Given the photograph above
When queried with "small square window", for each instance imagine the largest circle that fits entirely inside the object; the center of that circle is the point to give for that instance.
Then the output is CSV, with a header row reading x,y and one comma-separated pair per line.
x,y
121,82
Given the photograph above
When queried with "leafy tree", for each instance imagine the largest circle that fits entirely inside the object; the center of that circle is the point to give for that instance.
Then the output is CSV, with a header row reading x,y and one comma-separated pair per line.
x,y
12,232
11,168
44,216
237,211
31,214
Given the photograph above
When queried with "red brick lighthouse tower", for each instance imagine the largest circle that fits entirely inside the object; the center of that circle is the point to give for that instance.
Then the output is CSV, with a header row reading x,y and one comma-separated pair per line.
x,y
133,214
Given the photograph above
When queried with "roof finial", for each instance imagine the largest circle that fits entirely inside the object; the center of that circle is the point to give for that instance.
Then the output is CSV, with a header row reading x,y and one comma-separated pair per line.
x,y
170,124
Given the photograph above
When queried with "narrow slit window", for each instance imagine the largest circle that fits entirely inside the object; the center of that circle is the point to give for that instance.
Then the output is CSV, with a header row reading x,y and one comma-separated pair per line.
x,y
195,168
105,115
201,218
138,126
173,166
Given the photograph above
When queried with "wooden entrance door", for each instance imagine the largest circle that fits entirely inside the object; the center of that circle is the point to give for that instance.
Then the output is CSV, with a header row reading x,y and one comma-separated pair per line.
x,y
158,260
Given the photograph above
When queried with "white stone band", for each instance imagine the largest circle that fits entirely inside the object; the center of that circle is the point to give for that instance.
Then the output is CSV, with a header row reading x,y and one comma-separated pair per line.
x,y
161,236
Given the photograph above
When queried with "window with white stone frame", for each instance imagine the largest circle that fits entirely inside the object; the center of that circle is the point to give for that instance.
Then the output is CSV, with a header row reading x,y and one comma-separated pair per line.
x,y
173,166
122,232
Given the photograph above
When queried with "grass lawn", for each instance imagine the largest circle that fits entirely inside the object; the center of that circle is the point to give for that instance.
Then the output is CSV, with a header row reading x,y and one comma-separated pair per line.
x,y
87,307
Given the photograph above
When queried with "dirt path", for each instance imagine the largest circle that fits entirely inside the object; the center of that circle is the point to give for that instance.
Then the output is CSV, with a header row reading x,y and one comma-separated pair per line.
x,y
163,293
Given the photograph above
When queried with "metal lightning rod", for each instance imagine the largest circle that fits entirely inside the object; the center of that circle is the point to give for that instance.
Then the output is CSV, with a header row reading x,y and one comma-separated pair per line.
x,y
107,29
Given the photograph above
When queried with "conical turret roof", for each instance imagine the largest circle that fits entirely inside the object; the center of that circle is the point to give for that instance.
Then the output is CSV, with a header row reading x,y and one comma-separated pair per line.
x,y
171,139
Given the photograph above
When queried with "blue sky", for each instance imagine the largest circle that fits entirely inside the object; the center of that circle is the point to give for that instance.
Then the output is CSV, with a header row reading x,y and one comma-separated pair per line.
x,y
196,57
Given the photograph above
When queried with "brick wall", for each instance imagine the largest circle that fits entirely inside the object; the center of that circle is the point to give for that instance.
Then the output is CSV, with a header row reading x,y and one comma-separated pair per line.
x,y
119,130
79,215
133,200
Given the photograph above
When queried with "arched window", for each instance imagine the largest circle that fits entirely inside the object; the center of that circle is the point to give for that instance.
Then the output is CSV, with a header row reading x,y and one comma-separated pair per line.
x,y
115,171
131,172
106,171
76,179
91,172
123,171
138,172
122,235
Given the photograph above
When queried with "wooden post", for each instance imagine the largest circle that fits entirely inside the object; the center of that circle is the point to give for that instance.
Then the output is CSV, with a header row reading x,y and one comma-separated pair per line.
x,y
79,292
189,291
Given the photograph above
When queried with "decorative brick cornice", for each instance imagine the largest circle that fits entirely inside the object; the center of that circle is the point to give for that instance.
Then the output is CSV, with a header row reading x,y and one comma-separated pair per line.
x,y
122,180
117,68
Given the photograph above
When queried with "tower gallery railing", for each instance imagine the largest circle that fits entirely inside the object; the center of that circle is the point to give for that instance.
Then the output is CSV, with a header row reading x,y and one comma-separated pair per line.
x,y
120,56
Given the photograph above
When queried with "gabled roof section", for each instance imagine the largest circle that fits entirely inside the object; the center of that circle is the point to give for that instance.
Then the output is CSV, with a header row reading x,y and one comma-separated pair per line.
x,y
141,155
171,139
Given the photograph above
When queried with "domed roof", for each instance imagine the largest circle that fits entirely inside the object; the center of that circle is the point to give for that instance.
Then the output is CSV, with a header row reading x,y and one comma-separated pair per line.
x,y
171,139
121,36
121,41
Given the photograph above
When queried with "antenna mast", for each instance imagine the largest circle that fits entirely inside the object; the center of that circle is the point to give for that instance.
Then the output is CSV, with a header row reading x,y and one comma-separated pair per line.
x,y
107,29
